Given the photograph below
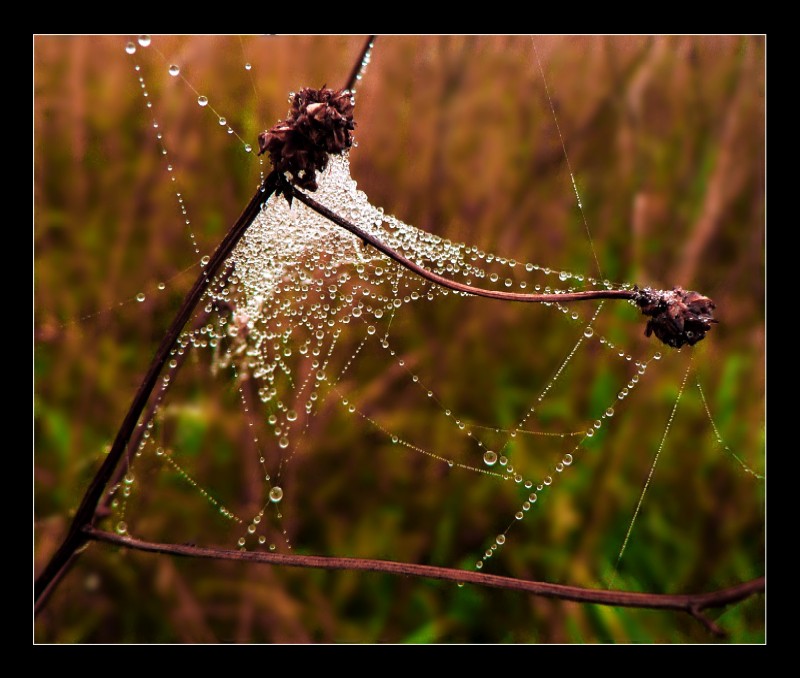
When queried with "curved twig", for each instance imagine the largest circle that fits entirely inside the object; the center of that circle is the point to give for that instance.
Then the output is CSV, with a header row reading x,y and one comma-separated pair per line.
x,y
677,316
401,259
691,603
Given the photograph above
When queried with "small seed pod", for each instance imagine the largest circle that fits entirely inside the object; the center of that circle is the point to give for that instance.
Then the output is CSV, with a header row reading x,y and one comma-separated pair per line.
x,y
320,122
677,316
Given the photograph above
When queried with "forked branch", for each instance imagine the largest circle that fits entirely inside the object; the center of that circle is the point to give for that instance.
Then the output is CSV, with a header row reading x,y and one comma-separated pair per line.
x,y
691,603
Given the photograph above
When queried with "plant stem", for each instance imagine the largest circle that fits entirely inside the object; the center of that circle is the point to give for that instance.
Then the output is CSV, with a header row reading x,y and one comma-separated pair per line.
x,y
351,80
85,515
691,603
76,538
446,282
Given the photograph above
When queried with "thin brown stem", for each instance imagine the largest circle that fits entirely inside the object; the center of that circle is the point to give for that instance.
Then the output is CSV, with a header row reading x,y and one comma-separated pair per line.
x,y
85,515
692,603
358,65
446,282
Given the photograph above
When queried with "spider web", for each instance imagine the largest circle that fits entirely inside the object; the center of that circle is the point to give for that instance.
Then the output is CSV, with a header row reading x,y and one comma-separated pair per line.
x,y
293,287
308,330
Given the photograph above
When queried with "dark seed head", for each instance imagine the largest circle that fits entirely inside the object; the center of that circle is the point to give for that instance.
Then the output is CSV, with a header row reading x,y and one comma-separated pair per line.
x,y
677,316
320,122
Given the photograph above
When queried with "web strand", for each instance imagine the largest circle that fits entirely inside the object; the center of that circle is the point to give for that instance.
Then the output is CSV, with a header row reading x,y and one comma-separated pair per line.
x,y
566,158
650,474
720,441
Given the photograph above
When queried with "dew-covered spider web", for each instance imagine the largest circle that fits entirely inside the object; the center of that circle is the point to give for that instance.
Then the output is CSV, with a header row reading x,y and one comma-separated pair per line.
x,y
318,377
298,302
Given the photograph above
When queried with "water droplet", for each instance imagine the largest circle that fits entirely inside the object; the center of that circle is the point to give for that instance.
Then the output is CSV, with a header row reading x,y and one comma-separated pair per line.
x,y
519,515
247,148
559,467
130,48
548,480
533,498
503,460
241,541
567,459
122,527
610,412
204,261
222,122
460,584
501,539
140,297
478,565
247,67
291,415
161,286
371,329
283,443
275,494
174,70
144,40
262,539
489,458
588,332
656,356
202,100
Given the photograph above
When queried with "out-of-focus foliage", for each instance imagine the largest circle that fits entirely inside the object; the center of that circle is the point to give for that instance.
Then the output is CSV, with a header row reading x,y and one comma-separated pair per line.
x,y
455,135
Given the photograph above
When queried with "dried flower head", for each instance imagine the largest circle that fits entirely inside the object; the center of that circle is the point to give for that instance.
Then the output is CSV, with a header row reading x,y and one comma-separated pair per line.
x,y
320,122
677,316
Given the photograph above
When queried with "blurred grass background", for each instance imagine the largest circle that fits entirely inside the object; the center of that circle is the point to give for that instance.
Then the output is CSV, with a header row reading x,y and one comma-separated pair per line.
x,y
666,139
